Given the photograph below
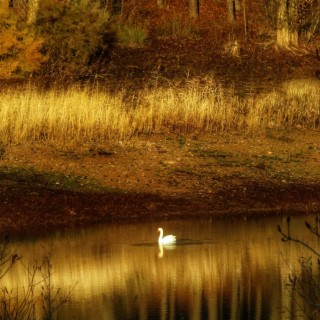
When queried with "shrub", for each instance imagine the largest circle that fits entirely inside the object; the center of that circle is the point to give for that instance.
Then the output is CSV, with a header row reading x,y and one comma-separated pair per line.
x,y
77,35
20,50
132,36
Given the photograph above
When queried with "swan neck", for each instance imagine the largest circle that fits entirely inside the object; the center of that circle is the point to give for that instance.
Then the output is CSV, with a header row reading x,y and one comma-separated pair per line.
x,y
161,235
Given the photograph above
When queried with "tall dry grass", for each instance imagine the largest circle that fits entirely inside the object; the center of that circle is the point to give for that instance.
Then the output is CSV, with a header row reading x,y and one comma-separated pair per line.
x,y
90,114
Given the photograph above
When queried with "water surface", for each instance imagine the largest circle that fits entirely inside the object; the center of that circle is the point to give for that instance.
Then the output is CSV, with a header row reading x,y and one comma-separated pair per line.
x,y
219,269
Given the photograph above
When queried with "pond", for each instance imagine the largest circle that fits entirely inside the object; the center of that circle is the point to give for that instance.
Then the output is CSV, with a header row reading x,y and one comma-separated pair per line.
x,y
219,269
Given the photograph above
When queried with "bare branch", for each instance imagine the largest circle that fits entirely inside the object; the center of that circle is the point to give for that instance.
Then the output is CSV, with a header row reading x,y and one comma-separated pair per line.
x,y
287,236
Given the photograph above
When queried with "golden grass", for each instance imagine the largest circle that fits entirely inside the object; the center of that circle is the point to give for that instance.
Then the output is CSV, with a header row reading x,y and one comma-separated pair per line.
x,y
92,115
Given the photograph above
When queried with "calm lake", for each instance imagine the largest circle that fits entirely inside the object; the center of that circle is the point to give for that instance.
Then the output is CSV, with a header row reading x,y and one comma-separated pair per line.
x,y
219,269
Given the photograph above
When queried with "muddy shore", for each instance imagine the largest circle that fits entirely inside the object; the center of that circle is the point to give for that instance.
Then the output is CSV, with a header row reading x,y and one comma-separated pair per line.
x,y
160,177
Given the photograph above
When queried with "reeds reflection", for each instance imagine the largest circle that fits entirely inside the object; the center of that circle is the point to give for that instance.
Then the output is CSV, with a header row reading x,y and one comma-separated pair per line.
x,y
217,270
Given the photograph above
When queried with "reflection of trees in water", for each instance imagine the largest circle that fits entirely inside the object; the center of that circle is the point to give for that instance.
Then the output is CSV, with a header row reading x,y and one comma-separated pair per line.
x,y
226,279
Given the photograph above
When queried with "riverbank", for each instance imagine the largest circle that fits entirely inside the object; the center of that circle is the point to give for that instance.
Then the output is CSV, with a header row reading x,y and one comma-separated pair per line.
x,y
44,187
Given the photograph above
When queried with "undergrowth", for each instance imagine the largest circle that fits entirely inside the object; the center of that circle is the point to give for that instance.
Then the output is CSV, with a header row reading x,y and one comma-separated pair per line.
x,y
132,36
94,115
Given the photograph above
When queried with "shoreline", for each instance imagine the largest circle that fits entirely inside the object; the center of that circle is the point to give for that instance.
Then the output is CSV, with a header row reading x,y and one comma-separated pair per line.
x,y
45,188
44,211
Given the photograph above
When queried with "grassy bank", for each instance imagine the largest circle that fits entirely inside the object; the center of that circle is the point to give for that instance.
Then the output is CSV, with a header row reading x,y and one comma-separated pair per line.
x,y
91,114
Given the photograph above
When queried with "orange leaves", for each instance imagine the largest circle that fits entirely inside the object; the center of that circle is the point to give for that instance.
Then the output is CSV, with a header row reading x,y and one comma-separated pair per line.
x,y
20,50
7,67
31,57
9,46
8,42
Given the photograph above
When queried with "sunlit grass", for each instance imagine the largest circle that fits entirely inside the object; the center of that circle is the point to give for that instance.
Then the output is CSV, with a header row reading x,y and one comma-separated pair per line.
x,y
90,115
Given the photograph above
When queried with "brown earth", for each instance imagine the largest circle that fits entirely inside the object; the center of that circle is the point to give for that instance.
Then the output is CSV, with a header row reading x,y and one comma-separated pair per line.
x,y
162,62
159,177
166,176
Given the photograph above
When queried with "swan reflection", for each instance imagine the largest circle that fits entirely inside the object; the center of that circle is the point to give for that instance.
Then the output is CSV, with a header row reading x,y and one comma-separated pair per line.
x,y
163,248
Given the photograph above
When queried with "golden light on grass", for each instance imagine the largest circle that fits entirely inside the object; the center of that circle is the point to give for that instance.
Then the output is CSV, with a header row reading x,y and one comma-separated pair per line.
x,y
89,114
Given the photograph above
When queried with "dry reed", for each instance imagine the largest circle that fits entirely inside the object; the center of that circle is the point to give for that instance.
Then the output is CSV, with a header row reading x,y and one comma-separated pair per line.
x,y
91,115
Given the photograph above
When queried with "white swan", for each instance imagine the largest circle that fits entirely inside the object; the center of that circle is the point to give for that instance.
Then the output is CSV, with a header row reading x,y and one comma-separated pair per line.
x,y
170,239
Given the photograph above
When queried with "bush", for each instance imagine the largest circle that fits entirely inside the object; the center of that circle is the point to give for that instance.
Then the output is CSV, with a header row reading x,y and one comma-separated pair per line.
x,y
77,35
132,36
20,49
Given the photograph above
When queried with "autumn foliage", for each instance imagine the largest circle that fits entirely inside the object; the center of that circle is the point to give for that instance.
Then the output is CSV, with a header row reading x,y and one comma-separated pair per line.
x,y
69,38
20,48
66,39
76,36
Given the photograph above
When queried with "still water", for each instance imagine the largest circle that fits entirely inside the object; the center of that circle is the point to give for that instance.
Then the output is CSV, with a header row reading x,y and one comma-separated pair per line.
x,y
219,269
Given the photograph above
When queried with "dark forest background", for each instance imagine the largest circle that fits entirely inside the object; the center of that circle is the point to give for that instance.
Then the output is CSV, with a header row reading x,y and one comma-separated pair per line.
x,y
76,38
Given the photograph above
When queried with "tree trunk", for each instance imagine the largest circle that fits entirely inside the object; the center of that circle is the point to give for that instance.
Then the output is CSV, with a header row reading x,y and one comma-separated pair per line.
x,y
231,11
237,5
33,7
283,39
293,12
194,8
233,7
287,24
161,3
245,18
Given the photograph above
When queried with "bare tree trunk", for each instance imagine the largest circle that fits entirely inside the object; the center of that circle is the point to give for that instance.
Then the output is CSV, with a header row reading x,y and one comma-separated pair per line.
x,y
245,19
293,14
33,7
231,11
194,8
233,7
287,24
237,6
314,20
283,39
161,3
